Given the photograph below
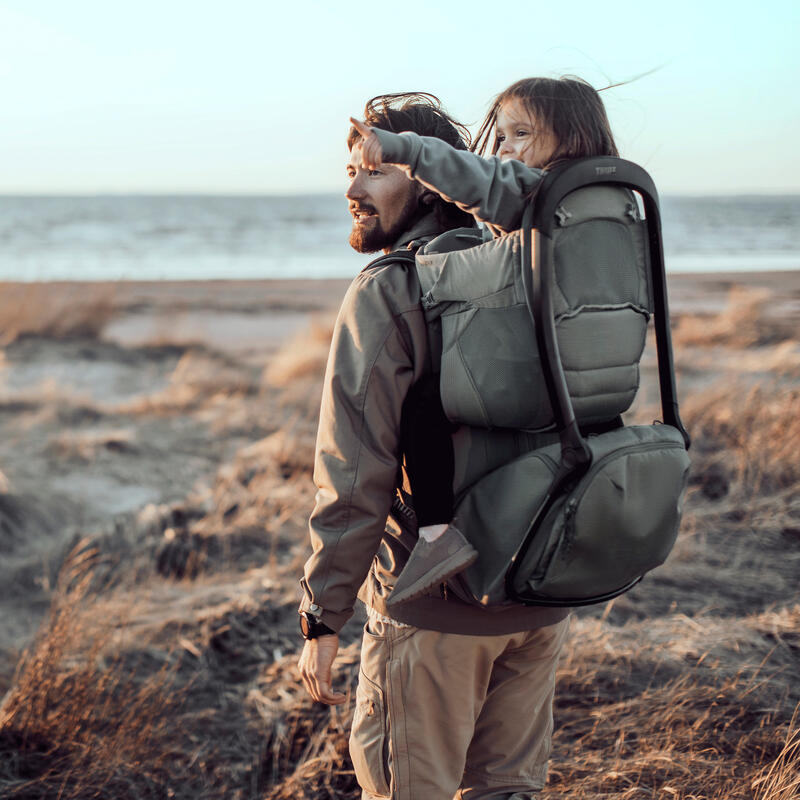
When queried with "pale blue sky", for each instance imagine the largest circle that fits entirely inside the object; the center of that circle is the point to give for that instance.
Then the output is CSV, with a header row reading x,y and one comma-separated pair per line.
x,y
241,97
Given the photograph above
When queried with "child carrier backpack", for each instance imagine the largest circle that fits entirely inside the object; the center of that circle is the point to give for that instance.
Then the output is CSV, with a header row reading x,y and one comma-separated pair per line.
x,y
537,336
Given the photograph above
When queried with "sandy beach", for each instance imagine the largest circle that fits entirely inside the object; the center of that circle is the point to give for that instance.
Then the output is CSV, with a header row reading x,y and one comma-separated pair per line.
x,y
156,446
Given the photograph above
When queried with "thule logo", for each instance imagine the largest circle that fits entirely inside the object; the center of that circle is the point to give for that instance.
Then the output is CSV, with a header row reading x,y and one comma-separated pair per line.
x,y
605,170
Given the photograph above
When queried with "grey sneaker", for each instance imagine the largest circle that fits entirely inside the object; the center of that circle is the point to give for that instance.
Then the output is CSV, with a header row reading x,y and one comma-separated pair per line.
x,y
431,563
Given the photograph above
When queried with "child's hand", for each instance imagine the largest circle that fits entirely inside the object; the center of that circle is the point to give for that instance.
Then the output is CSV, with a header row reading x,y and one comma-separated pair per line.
x,y
371,152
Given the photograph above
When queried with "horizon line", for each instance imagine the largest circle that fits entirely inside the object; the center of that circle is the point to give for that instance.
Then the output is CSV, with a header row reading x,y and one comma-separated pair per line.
x,y
178,193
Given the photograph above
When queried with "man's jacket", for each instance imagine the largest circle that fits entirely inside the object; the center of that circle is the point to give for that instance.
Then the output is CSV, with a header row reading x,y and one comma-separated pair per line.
x,y
378,351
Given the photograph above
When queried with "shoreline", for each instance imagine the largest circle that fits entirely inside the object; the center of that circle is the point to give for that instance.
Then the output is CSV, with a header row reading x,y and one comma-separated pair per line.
x,y
749,277
242,315
312,294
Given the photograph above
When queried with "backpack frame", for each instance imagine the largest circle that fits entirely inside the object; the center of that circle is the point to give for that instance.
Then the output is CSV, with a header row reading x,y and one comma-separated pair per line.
x,y
538,274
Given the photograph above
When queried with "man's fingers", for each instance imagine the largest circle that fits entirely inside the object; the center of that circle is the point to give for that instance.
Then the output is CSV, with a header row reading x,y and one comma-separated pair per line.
x,y
315,669
321,690
327,695
361,127
314,689
305,675
367,158
372,154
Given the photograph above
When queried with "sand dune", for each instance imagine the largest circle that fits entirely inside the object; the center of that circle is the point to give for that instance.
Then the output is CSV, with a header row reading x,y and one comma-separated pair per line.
x,y
156,450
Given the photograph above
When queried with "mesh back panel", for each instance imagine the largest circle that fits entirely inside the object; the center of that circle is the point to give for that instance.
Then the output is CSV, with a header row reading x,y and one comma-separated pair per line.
x,y
595,263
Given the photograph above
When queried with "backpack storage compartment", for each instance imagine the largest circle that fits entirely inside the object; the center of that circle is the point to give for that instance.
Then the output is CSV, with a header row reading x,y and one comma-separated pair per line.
x,y
619,521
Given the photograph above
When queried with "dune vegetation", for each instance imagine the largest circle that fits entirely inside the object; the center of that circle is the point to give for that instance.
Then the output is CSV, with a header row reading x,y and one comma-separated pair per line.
x,y
148,641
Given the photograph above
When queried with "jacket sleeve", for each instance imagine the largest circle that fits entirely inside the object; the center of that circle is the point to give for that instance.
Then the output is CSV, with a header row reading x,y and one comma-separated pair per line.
x,y
493,191
368,375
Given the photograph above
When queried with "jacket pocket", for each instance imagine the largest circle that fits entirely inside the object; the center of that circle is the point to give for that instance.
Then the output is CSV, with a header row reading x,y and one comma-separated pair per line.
x,y
369,745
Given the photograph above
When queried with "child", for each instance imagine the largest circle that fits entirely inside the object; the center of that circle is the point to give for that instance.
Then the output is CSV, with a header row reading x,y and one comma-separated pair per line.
x,y
537,123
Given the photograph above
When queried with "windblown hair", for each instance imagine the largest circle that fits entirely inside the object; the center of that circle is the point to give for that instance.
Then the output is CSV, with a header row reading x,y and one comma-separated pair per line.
x,y
568,107
422,113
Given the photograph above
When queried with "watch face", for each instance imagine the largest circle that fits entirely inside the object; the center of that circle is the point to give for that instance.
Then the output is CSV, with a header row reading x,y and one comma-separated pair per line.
x,y
305,626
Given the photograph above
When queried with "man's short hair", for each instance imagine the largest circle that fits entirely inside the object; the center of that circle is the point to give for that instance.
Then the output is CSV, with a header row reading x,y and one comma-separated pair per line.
x,y
422,113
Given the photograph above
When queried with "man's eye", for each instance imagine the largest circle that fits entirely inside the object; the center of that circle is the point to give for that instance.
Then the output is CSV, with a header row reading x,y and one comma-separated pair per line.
x,y
373,172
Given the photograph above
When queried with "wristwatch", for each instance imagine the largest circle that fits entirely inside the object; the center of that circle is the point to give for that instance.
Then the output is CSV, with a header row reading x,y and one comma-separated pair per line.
x,y
311,626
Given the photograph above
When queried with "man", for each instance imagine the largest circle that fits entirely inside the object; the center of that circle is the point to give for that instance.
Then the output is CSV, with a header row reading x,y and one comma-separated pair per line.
x,y
452,699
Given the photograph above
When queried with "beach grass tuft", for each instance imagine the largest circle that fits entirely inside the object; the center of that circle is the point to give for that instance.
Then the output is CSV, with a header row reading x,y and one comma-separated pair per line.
x,y
55,310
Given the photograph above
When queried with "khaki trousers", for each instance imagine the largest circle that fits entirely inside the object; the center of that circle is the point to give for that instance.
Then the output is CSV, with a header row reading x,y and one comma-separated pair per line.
x,y
442,715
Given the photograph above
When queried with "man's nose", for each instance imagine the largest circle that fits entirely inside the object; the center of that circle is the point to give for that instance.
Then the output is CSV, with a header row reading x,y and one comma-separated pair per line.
x,y
355,191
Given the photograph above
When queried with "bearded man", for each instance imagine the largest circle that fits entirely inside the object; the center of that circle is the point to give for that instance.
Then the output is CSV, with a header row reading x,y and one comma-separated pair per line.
x,y
452,699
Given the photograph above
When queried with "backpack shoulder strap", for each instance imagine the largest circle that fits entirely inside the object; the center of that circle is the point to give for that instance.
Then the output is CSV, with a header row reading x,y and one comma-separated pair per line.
x,y
424,430
396,256
408,259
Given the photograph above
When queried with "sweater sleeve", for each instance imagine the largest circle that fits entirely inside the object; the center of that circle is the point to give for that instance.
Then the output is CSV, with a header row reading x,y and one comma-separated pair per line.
x,y
368,375
493,191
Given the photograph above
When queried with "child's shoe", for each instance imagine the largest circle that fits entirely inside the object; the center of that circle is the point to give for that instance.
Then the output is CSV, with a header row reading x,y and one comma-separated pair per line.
x,y
431,563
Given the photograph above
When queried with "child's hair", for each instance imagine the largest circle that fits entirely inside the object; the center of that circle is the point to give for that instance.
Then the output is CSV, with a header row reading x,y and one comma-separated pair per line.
x,y
569,107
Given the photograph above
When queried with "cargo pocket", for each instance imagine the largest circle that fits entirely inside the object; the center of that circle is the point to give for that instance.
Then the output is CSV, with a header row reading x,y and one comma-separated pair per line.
x,y
369,746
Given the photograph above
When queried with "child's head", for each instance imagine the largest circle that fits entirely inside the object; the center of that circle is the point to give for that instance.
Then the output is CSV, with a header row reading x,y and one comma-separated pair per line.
x,y
541,121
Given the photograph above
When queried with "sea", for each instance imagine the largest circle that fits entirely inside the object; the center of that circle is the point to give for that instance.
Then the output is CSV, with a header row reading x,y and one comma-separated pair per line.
x,y
110,238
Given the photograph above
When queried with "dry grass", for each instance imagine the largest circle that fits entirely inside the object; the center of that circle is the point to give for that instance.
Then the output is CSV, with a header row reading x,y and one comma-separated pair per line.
x,y
121,698
80,720
306,756
780,780
269,482
201,380
745,439
302,357
689,708
185,684
746,322
296,371
680,707
55,310
84,446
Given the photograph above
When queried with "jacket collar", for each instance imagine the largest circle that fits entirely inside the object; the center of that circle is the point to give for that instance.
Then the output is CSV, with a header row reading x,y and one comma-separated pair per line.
x,y
418,234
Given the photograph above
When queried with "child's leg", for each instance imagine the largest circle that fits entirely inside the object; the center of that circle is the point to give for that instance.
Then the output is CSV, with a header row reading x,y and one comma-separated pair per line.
x,y
441,550
430,533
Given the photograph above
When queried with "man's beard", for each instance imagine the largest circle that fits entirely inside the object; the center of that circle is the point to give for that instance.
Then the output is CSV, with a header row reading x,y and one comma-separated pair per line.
x,y
374,238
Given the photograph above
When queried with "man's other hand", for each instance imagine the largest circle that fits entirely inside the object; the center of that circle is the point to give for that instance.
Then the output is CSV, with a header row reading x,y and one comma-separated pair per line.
x,y
315,665
371,151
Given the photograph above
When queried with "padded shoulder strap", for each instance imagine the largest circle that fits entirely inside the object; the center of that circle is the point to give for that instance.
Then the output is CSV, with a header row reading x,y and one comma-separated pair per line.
x,y
402,256
408,259
424,430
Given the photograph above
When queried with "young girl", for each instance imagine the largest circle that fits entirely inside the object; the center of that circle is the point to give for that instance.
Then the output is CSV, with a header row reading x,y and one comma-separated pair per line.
x,y
537,124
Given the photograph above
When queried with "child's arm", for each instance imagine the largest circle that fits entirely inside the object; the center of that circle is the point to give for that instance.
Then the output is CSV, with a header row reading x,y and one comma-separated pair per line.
x,y
493,191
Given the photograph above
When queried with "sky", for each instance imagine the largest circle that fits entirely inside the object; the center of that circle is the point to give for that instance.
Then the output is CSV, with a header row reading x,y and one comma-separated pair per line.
x,y
251,97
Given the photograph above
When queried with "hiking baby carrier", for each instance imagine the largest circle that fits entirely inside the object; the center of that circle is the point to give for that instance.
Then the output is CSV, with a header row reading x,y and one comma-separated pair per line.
x,y
537,337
